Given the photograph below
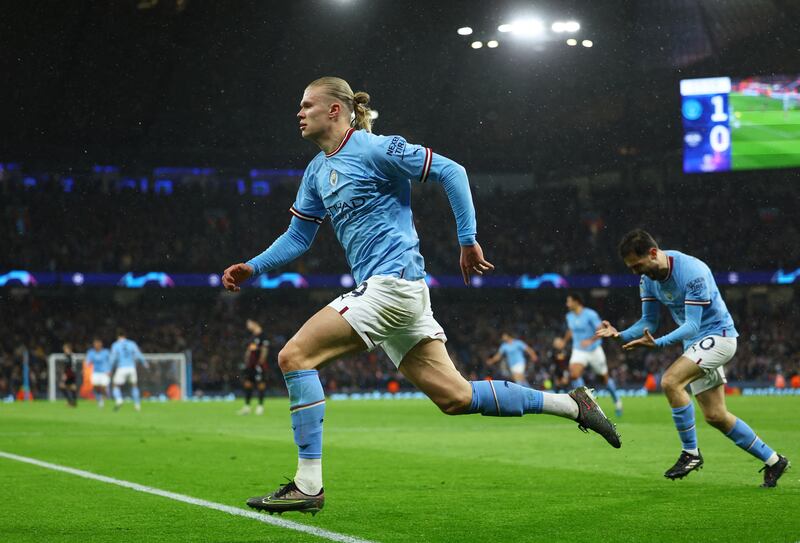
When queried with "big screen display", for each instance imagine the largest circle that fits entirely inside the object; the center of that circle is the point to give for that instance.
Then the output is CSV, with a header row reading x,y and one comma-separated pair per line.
x,y
740,124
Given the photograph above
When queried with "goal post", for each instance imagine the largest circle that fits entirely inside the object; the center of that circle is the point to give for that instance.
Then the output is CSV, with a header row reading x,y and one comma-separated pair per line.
x,y
165,372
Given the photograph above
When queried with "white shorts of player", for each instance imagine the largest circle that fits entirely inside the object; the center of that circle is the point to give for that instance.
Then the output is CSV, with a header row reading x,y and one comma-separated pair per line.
x,y
391,313
595,359
710,353
517,368
100,379
125,375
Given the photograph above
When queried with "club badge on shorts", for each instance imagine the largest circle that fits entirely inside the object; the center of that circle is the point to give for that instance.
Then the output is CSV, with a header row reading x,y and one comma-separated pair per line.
x,y
333,178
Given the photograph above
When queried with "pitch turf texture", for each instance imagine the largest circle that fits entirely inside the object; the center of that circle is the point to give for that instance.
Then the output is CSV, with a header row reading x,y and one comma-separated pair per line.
x,y
395,471
762,134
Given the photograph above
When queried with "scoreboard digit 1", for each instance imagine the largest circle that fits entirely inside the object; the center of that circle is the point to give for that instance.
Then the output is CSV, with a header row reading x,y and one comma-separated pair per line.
x,y
706,129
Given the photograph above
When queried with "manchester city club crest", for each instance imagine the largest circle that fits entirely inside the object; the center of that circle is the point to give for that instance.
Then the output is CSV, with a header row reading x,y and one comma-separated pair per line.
x,y
333,178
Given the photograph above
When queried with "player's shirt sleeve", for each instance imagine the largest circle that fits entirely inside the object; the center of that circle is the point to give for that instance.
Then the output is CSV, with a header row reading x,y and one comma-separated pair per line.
x,y
394,157
646,292
308,205
594,320
696,288
650,313
308,213
291,244
689,328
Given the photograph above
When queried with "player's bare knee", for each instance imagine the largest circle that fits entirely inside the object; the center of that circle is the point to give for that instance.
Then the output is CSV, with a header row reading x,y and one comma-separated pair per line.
x,y
670,384
290,358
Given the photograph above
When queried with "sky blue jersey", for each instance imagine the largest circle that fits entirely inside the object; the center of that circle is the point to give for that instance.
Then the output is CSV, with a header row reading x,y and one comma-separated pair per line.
x,y
583,326
514,351
693,299
125,353
365,187
100,360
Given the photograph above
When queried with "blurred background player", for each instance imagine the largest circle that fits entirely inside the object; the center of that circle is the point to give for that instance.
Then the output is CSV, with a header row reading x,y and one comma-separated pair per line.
x,y
255,367
100,359
69,380
124,355
687,287
513,351
582,322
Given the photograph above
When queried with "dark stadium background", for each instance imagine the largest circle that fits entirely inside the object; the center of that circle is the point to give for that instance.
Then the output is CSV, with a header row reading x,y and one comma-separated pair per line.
x,y
592,135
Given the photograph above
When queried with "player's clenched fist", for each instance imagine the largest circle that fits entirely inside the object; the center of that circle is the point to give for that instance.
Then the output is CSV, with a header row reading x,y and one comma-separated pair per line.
x,y
235,275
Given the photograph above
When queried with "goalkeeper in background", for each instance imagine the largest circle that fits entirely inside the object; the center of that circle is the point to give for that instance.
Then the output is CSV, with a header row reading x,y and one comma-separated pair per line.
x,y
255,367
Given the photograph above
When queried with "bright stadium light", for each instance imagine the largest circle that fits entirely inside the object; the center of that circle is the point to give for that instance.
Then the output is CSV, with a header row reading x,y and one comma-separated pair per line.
x,y
477,44
572,26
587,43
373,114
464,31
558,27
505,27
491,44
572,42
528,28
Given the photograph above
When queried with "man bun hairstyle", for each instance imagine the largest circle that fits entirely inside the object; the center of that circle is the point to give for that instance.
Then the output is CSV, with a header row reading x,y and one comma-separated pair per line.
x,y
357,104
636,242
362,118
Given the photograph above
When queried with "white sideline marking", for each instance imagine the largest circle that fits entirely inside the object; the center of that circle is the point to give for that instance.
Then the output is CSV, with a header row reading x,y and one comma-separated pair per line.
x,y
261,517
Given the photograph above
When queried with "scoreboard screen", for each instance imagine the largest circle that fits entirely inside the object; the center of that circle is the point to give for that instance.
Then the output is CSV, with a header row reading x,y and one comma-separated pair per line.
x,y
740,124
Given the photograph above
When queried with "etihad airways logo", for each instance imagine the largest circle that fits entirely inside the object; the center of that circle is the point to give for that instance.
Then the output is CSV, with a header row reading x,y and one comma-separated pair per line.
x,y
347,206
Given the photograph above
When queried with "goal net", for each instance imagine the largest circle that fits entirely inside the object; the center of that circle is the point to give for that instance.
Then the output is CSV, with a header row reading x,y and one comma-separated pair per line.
x,y
167,376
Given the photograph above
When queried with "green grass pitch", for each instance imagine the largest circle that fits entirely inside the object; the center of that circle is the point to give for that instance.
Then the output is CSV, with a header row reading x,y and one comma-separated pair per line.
x,y
762,134
395,471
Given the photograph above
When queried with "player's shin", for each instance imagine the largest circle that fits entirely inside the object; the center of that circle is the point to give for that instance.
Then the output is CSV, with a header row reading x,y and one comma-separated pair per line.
x,y
685,424
612,389
506,399
746,438
307,406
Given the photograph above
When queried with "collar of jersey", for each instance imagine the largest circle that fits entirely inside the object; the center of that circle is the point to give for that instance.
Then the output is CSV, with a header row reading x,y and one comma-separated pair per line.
x,y
669,273
344,141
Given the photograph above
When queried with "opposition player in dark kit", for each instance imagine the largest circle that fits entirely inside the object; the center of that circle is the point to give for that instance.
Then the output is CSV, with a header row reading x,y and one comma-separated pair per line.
x,y
363,182
255,368
69,379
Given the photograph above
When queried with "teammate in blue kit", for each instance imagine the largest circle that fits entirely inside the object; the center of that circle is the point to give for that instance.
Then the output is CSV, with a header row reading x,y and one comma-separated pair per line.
x,y
124,355
363,182
100,359
587,350
686,286
513,351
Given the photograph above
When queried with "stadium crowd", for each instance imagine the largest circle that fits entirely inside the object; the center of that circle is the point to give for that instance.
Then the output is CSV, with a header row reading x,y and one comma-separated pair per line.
x,y
563,229
212,327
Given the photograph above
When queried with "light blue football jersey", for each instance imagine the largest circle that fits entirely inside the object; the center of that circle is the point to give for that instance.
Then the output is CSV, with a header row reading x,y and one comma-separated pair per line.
x,y
365,187
125,353
583,326
690,282
514,352
100,360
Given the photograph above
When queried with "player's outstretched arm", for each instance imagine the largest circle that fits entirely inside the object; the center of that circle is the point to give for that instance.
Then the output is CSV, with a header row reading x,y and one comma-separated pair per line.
x,y
290,245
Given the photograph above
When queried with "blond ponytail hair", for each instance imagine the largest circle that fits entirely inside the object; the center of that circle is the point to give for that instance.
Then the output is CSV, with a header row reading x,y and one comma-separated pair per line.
x,y
356,103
